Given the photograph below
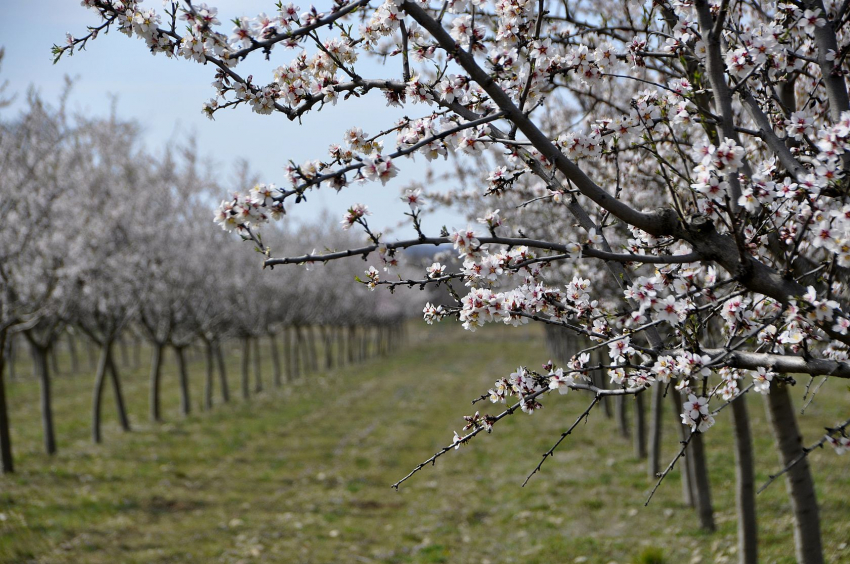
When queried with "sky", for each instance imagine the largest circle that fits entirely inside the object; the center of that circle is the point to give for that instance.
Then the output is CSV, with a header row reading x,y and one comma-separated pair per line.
x,y
165,96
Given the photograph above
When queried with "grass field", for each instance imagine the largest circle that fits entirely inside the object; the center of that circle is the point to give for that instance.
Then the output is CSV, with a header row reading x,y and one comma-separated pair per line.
x,y
302,474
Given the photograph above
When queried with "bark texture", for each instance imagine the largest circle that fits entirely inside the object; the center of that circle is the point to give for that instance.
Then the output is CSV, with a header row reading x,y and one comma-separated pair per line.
x,y
798,480
745,495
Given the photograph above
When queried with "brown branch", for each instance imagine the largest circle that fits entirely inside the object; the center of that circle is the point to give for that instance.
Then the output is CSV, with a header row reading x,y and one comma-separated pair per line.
x,y
653,223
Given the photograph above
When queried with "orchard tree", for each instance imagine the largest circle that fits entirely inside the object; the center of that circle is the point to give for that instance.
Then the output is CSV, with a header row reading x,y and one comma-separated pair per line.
x,y
693,152
174,279
39,178
8,311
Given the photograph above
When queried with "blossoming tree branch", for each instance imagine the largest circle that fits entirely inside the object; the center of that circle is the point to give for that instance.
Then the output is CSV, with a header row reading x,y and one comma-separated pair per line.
x,y
693,152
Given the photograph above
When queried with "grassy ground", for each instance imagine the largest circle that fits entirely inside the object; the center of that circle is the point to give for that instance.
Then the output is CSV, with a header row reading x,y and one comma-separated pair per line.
x,y
302,474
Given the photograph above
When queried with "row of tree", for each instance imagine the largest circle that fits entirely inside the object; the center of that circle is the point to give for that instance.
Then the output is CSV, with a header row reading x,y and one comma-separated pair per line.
x,y
103,239
672,179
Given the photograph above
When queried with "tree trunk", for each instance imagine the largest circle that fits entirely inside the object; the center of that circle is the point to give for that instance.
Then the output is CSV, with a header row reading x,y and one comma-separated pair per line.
x,y
258,377
119,397
208,381
655,427
183,374
640,428
97,400
222,373
702,485
156,373
7,464
798,480
246,365
42,370
745,495
276,372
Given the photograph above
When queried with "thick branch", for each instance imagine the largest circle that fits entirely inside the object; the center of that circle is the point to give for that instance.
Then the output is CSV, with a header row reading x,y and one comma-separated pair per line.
x,y
649,222
780,363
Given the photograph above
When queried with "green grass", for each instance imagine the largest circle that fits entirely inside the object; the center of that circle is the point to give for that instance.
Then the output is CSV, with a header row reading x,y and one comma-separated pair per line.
x,y
302,474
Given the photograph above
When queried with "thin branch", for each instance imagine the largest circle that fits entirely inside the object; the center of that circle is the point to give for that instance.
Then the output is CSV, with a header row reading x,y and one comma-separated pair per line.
x,y
564,435
670,466
805,453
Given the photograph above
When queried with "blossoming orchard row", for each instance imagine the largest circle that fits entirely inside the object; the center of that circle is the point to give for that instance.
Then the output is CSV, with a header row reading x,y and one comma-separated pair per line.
x,y
672,179
103,242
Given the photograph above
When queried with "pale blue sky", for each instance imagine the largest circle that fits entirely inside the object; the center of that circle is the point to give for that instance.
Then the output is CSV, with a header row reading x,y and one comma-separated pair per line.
x,y
165,96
